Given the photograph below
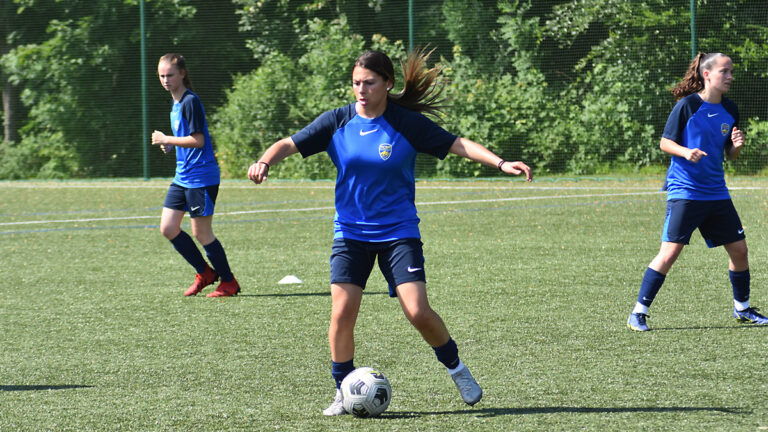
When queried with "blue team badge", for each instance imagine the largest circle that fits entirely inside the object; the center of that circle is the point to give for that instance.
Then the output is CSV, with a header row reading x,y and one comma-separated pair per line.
x,y
385,151
724,128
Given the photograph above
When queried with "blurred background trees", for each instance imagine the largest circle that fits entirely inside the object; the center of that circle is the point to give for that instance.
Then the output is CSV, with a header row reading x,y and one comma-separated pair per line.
x,y
577,87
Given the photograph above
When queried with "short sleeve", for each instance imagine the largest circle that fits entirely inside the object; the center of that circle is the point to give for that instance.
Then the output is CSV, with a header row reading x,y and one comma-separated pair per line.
x,y
192,110
425,135
677,120
316,137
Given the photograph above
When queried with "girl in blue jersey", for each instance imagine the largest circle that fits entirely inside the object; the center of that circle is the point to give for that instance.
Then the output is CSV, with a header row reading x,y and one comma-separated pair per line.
x,y
196,183
373,144
700,131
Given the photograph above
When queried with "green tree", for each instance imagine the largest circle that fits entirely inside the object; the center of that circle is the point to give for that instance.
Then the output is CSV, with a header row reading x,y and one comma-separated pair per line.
x,y
81,84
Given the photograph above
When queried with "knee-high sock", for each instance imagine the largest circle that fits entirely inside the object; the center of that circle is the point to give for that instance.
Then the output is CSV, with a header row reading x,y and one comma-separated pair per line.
x,y
341,370
652,281
448,354
218,258
740,284
185,246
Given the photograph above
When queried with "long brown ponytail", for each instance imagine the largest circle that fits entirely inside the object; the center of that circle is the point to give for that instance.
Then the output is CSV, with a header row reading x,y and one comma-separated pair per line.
x,y
420,89
693,81
178,61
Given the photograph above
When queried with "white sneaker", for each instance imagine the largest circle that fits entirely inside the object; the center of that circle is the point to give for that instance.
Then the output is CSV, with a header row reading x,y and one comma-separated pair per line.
x,y
337,407
468,388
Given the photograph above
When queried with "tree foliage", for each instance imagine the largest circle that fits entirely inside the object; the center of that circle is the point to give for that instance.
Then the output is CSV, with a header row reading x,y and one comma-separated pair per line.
x,y
80,81
577,86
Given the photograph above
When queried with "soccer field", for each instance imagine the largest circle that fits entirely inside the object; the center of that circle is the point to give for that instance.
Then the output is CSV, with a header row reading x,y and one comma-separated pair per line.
x,y
534,281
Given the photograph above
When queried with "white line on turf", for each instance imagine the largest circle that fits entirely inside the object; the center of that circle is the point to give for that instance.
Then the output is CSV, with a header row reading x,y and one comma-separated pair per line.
x,y
418,204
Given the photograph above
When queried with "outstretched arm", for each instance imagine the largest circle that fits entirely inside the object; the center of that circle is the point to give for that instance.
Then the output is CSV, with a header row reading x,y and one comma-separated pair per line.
x,y
275,153
473,151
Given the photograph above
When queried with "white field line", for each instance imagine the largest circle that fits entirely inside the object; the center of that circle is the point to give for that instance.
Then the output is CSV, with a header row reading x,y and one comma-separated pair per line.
x,y
310,209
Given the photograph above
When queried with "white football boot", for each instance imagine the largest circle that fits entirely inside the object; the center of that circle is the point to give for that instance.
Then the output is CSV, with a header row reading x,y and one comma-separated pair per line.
x,y
337,407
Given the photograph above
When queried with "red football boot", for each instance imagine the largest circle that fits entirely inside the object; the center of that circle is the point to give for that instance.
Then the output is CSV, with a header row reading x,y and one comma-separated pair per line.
x,y
226,289
202,280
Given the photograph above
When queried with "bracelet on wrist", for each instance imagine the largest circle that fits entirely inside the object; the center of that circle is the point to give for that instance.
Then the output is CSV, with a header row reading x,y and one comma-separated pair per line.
x,y
262,162
501,163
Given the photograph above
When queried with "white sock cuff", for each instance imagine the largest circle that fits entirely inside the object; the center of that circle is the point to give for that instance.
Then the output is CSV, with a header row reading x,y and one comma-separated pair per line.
x,y
640,308
457,368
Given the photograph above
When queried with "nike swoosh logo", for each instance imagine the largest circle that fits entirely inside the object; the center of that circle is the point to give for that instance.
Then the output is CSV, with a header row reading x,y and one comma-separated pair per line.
x,y
367,132
645,298
413,269
712,115
741,231
195,208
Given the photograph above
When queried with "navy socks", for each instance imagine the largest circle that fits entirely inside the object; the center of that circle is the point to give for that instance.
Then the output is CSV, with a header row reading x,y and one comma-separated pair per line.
x,y
651,285
448,354
218,258
341,370
185,246
740,284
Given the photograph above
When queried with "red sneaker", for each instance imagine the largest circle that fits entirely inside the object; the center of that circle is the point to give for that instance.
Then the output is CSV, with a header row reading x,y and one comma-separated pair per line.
x,y
202,280
226,289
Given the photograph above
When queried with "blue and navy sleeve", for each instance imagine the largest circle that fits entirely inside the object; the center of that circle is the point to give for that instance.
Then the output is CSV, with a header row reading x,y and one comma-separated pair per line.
x,y
424,135
679,117
316,137
192,110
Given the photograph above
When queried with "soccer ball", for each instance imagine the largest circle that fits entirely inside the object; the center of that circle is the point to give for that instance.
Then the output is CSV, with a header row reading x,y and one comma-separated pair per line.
x,y
366,392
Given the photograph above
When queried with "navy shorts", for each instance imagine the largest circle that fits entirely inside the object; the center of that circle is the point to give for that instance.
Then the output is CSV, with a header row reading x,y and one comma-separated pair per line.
x,y
400,261
197,201
717,222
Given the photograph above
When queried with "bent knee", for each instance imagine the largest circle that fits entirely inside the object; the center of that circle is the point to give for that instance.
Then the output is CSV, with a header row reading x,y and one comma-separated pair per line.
x,y
169,231
420,317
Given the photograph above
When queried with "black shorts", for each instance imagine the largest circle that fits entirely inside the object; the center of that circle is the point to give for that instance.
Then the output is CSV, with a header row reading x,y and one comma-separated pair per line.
x,y
197,201
400,261
717,222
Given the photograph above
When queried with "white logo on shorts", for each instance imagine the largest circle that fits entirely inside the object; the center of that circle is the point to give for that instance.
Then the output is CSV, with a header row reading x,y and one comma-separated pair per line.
x,y
413,269
195,208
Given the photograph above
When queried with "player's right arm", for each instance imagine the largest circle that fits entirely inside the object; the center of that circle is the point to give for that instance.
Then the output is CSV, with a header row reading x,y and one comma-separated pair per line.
x,y
278,151
670,147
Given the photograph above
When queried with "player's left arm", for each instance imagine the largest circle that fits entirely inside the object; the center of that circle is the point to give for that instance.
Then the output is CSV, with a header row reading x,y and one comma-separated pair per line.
x,y
197,139
473,151
735,144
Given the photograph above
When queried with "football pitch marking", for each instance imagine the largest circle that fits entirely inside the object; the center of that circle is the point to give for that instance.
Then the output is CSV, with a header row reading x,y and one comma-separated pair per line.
x,y
311,209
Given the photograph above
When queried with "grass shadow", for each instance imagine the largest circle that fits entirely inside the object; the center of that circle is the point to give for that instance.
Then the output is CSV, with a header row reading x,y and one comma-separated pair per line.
x,y
10,388
308,294
495,412
723,327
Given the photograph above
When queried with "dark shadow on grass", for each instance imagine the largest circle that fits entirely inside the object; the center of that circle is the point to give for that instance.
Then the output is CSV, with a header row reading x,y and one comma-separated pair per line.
x,y
314,294
495,412
10,388
724,327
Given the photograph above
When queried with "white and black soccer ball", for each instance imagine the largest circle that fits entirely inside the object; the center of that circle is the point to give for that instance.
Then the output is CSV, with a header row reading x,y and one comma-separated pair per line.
x,y
366,392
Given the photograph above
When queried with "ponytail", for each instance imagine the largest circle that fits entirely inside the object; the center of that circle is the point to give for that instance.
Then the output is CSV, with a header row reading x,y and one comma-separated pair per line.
x,y
178,61
693,81
420,92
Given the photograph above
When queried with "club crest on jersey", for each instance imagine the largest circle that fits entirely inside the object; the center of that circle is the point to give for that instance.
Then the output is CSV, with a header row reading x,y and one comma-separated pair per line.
x,y
385,151
724,128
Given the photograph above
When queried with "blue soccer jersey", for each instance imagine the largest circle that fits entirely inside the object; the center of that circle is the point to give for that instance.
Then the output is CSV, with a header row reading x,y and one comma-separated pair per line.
x,y
195,167
695,123
374,158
